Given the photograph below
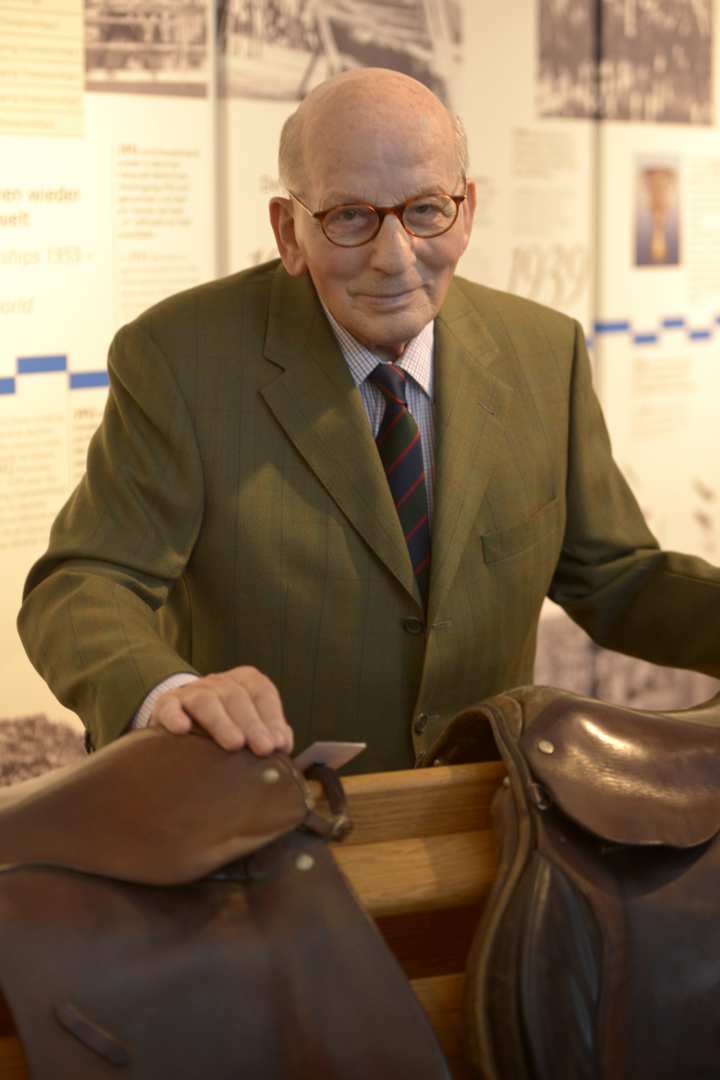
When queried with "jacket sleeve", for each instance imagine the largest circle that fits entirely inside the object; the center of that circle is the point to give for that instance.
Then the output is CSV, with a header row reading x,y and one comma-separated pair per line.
x,y
119,547
612,578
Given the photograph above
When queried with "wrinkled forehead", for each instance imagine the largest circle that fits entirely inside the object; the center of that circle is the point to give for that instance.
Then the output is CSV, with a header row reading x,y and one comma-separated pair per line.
x,y
367,110
365,147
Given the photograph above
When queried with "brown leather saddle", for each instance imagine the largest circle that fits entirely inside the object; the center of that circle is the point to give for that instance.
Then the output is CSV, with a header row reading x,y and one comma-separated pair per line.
x,y
598,956
168,909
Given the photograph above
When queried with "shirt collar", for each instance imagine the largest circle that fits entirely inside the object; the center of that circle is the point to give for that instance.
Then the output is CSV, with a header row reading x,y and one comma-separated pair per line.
x,y
416,360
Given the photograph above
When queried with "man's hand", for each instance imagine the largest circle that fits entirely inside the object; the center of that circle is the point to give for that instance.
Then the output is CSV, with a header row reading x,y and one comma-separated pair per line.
x,y
237,708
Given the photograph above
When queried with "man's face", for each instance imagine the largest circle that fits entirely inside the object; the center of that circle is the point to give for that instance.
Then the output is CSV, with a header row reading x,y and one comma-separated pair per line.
x,y
384,292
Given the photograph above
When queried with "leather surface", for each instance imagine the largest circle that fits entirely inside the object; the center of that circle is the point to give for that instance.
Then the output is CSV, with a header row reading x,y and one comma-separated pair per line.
x,y
630,777
282,976
151,808
598,956
266,968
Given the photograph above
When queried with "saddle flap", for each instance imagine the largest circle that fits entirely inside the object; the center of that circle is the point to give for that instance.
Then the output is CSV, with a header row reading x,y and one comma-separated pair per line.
x,y
152,808
630,777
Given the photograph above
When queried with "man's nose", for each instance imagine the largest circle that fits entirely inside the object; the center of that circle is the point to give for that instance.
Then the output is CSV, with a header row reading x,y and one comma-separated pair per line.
x,y
392,248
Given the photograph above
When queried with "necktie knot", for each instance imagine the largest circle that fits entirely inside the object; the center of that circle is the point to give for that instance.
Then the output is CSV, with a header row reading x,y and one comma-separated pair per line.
x,y
390,380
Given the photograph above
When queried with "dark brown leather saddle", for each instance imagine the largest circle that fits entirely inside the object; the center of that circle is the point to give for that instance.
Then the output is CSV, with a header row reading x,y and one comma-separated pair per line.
x,y
168,909
599,951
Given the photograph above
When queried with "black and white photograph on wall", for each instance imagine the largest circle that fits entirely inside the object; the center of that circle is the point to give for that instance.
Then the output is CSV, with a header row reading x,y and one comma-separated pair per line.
x,y
639,60
146,47
657,61
568,658
657,212
566,82
33,745
280,49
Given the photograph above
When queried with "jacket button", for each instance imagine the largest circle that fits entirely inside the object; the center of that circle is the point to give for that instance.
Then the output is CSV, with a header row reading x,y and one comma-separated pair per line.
x,y
413,626
421,722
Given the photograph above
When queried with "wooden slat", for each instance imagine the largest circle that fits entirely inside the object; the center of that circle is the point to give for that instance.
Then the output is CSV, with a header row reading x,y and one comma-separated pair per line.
x,y
419,875
419,802
440,994
442,999
12,1059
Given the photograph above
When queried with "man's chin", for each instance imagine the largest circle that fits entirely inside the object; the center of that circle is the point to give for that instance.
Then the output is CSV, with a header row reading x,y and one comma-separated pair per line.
x,y
390,330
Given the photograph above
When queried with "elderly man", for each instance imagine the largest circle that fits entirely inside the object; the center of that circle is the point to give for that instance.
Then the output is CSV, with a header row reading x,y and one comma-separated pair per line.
x,y
329,494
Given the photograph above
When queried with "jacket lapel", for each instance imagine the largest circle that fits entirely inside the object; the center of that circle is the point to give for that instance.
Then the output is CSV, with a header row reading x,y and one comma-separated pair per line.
x,y
470,402
318,405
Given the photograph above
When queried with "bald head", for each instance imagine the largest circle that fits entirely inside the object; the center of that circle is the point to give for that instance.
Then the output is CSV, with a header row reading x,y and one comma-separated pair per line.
x,y
348,110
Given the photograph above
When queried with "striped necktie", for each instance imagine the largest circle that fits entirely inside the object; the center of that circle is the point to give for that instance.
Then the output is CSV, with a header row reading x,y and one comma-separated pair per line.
x,y
400,448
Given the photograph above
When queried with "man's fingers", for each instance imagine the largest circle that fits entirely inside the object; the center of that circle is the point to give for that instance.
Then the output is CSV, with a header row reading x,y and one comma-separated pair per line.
x,y
267,707
237,708
169,714
176,712
209,709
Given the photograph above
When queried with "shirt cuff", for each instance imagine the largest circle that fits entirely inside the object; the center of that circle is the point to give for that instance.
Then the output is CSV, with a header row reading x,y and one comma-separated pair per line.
x,y
141,719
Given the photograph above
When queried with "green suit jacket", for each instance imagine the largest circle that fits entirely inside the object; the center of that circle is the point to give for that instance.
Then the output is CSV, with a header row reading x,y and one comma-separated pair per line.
x,y
235,511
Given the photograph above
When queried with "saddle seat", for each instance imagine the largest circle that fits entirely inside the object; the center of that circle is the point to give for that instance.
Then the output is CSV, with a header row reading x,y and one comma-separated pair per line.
x,y
631,776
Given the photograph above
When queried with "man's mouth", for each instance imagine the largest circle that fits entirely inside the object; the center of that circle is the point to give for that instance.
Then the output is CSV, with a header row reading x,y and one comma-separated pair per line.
x,y
388,299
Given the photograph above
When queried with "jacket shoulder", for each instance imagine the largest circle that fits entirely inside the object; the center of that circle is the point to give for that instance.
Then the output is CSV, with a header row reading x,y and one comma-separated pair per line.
x,y
537,347
227,290
512,309
208,316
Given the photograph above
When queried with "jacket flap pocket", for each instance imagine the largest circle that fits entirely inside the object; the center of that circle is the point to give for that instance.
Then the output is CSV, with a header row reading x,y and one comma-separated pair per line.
x,y
506,542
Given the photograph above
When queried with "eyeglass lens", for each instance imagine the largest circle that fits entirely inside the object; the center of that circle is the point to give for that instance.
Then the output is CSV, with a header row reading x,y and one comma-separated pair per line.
x,y
429,215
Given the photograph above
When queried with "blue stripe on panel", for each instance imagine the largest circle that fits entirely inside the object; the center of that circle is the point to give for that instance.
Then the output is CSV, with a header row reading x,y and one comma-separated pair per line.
x,y
84,380
35,365
700,335
619,326
7,386
645,339
676,322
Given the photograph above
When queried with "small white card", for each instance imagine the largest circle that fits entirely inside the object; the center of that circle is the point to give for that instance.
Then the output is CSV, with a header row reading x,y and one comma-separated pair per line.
x,y
334,754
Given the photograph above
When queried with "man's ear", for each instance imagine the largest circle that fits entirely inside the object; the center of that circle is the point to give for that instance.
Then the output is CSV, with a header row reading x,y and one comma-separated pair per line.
x,y
469,209
283,225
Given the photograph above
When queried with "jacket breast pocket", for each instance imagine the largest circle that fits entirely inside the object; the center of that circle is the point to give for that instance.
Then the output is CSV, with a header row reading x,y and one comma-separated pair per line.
x,y
506,543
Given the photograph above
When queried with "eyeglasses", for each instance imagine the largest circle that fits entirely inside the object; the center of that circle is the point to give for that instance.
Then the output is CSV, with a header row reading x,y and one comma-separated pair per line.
x,y
353,224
